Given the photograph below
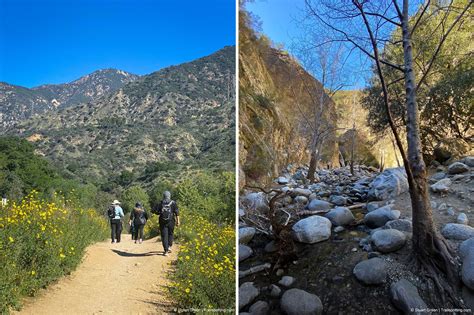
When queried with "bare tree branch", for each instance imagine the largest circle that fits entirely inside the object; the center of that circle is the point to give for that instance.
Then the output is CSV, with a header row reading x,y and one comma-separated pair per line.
x,y
427,4
349,39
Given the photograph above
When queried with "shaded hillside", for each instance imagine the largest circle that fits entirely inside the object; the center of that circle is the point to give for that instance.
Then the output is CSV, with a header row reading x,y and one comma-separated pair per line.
x,y
278,99
19,103
177,118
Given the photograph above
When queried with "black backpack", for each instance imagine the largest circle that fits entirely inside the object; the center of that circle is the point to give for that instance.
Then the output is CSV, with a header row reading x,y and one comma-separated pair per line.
x,y
166,211
111,212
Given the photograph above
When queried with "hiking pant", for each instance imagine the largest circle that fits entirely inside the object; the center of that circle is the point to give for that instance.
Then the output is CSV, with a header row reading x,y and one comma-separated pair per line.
x,y
116,227
138,232
167,230
132,231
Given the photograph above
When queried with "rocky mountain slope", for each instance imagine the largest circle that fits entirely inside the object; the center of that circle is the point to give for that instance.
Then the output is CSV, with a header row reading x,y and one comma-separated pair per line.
x,y
181,115
19,103
277,105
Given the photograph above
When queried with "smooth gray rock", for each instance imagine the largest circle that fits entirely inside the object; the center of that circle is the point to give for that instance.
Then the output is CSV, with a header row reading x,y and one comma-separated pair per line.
x,y
457,168
387,241
302,200
457,231
467,271
244,252
441,186
338,200
403,225
275,290
450,211
438,176
282,180
259,308
287,281
389,184
373,205
338,229
246,234
247,294
317,204
255,202
379,217
312,229
405,297
340,216
301,192
299,175
271,247
371,271
299,302
468,160
466,248
462,218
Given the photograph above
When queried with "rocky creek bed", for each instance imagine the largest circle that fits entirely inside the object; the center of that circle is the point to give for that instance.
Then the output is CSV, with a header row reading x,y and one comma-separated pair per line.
x,y
351,255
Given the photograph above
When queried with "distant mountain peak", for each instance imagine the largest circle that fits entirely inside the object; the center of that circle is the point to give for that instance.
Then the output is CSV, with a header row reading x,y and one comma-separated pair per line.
x,y
18,103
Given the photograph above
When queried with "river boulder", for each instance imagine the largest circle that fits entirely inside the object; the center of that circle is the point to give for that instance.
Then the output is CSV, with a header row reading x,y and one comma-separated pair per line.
x,y
371,271
312,229
340,216
389,184
299,302
389,240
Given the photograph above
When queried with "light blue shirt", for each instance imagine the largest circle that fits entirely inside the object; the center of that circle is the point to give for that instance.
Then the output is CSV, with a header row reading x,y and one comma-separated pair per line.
x,y
118,212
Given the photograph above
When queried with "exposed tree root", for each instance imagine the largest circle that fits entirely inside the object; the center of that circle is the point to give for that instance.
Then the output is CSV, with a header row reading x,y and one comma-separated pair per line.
x,y
440,264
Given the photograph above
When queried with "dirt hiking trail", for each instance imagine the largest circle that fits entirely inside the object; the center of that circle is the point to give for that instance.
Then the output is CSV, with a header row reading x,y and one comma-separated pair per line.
x,y
122,278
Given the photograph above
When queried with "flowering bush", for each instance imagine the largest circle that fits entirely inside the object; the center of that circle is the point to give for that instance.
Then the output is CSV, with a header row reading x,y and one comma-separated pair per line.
x,y
204,277
205,270
40,241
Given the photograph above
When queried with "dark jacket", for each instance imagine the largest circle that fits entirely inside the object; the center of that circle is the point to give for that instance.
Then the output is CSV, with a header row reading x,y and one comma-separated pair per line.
x,y
174,210
139,216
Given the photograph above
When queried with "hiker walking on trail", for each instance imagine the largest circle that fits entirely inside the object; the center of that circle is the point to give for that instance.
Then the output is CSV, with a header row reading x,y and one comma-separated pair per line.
x,y
168,211
115,214
138,218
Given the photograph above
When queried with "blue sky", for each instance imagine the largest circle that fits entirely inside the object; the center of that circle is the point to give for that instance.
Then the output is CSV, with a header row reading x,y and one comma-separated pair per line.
x,y
57,41
280,21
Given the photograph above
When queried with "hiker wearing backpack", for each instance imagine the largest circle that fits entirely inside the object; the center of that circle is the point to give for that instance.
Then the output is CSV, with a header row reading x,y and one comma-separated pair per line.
x,y
169,216
115,213
138,218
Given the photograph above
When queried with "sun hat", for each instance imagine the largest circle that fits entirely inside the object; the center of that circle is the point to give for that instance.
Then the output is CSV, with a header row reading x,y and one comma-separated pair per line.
x,y
116,202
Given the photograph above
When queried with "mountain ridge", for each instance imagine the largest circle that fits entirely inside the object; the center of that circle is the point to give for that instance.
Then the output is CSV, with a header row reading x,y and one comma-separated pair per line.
x,y
18,103
181,114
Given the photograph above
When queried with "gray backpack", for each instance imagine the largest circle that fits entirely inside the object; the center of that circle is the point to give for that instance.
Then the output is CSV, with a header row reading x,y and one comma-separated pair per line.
x,y
166,211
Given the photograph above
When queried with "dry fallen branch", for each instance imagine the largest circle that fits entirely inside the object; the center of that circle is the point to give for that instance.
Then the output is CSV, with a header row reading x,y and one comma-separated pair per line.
x,y
356,206
312,212
255,269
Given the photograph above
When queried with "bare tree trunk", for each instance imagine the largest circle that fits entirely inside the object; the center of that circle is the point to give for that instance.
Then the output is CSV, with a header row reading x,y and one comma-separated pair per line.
x,y
395,150
353,148
382,160
341,159
429,247
312,166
